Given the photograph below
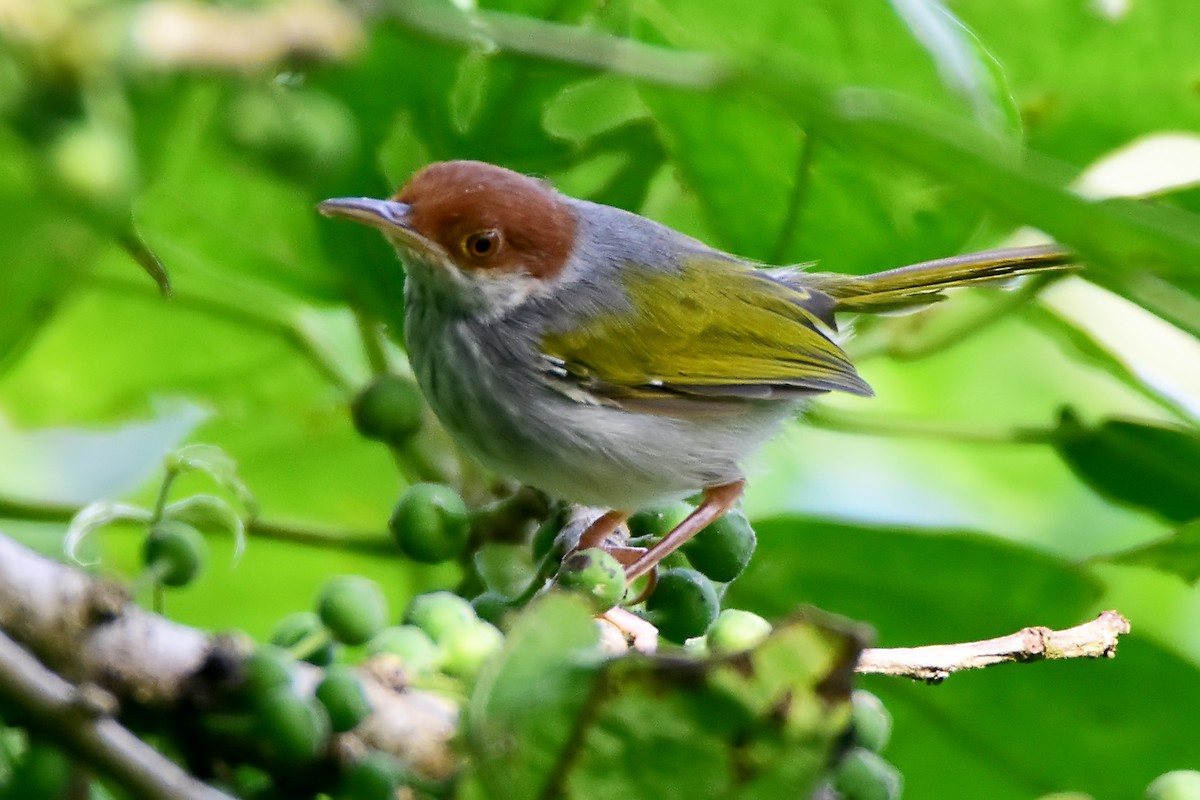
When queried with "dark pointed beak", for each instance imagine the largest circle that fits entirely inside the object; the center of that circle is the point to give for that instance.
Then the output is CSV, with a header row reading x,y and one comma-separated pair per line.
x,y
389,216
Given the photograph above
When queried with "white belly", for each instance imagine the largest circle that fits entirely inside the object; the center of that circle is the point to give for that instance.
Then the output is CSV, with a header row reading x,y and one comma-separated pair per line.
x,y
599,455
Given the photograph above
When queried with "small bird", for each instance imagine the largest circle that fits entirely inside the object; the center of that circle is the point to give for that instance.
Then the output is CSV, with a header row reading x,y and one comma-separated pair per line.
x,y
610,360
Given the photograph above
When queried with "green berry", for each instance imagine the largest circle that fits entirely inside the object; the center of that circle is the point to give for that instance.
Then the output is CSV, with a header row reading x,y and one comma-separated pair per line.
x,y
594,574
1181,784
872,721
374,778
723,549
863,775
293,729
267,668
467,648
736,631
408,643
439,614
658,521
491,607
177,546
341,692
304,626
352,608
388,410
430,523
684,604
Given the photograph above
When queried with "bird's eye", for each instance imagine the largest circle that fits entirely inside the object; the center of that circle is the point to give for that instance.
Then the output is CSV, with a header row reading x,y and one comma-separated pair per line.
x,y
482,243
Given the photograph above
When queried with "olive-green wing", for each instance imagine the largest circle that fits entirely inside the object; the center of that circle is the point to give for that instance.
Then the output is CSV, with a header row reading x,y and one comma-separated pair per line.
x,y
735,333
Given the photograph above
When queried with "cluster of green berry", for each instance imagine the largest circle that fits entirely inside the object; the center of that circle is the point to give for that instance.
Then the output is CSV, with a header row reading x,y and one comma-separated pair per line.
x,y
440,643
862,773
684,599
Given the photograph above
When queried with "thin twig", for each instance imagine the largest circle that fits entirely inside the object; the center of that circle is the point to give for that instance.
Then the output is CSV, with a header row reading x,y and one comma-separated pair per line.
x,y
364,541
971,433
560,42
90,734
934,663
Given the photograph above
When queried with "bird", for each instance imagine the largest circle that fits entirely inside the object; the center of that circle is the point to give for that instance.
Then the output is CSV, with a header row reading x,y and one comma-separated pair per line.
x,y
612,361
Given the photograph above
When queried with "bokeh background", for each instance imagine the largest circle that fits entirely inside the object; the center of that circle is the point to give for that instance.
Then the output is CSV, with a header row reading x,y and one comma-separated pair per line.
x,y
979,492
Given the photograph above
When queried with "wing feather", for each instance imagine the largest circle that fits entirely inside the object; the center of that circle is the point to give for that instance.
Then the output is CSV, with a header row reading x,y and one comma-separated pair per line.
x,y
736,334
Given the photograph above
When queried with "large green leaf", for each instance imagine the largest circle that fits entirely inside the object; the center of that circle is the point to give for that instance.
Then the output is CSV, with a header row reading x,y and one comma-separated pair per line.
x,y
1003,732
552,718
1151,466
1072,64
43,250
1177,553
774,192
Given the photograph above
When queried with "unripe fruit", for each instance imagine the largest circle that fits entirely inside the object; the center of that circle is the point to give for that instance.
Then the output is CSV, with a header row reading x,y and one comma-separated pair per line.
x,y
430,523
267,668
439,614
658,521
341,693
594,574
872,721
466,649
352,608
293,729
301,626
408,643
863,775
387,410
491,607
1181,784
179,547
373,778
723,549
684,604
736,631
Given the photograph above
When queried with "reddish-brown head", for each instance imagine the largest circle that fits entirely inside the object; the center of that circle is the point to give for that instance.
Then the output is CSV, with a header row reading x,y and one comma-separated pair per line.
x,y
483,218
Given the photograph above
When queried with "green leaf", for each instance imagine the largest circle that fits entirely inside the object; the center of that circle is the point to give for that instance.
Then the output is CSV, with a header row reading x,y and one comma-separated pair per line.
x,y
44,250
69,465
1072,64
551,718
1143,464
526,702
1177,553
762,724
999,731
772,192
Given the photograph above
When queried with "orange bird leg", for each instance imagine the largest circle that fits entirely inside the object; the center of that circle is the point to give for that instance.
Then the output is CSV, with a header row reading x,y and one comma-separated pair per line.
x,y
601,529
717,500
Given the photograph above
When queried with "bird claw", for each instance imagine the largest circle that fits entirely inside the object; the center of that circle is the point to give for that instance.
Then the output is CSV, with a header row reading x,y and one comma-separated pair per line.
x,y
633,630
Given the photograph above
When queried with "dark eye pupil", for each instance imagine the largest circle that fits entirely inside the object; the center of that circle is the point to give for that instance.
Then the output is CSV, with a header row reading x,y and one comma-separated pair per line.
x,y
482,243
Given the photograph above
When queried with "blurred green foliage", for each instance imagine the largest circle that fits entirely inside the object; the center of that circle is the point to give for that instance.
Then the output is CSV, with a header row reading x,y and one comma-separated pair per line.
x,y
862,136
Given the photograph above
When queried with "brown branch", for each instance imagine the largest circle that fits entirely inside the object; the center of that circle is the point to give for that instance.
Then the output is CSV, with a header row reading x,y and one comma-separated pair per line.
x,y
87,731
87,631
934,663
